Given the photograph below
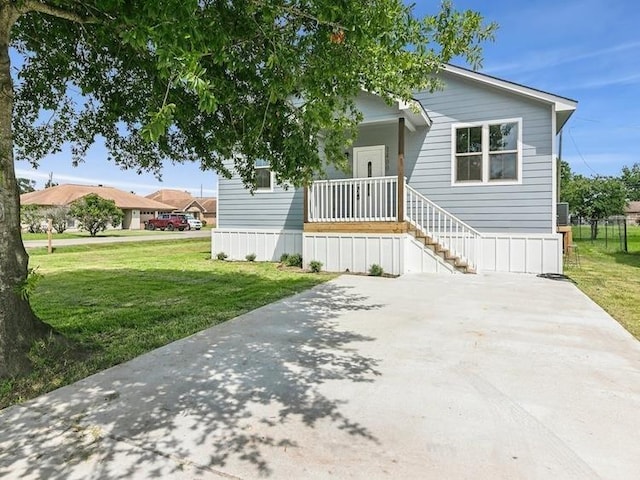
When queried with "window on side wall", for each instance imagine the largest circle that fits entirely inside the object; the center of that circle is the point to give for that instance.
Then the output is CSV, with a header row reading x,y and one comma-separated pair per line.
x,y
264,178
488,152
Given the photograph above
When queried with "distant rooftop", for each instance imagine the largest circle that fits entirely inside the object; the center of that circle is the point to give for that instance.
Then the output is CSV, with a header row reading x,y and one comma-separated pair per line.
x,y
69,193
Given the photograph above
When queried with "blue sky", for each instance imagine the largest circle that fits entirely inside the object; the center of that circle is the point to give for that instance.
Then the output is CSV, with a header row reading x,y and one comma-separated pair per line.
x,y
587,50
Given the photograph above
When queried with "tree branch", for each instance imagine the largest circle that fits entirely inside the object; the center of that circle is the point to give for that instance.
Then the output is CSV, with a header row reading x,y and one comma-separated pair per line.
x,y
296,12
36,6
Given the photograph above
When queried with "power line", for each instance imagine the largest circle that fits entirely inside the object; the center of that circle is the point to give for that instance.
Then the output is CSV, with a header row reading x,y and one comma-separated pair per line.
x,y
580,154
613,124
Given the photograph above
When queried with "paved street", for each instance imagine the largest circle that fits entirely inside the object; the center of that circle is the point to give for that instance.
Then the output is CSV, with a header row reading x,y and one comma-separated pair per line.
x,y
159,236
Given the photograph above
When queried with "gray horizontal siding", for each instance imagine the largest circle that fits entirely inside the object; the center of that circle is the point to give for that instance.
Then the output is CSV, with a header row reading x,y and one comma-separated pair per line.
x,y
525,207
281,209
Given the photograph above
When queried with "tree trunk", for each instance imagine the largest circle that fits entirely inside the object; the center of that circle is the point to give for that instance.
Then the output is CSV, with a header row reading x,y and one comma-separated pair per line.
x,y
19,326
594,229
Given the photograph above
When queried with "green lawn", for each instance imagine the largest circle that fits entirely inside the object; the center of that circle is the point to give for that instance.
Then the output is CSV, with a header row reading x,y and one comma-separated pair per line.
x,y
610,277
115,302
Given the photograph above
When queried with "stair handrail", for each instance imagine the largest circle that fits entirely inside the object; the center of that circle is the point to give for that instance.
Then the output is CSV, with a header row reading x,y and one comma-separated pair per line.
x,y
458,238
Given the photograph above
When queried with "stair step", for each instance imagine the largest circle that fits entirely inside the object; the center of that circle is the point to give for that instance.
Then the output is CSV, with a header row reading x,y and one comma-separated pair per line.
x,y
441,251
427,240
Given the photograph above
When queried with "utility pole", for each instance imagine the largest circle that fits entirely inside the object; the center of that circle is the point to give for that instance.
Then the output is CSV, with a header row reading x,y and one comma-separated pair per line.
x,y
559,169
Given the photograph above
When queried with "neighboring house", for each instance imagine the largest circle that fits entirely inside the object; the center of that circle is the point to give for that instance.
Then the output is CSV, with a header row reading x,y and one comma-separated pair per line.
x,y
202,208
480,190
633,213
136,209
210,213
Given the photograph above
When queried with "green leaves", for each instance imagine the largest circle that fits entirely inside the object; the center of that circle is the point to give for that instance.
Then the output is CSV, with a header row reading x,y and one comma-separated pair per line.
x,y
631,179
595,198
208,81
29,284
158,123
95,213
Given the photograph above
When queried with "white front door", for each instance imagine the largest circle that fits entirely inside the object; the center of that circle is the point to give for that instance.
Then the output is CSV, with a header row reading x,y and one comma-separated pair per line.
x,y
368,161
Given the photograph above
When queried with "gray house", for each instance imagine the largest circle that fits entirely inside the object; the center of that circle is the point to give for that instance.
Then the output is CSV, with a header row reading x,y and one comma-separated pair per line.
x,y
463,179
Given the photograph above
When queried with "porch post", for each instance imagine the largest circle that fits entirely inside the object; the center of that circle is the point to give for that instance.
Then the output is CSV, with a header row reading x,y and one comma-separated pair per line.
x,y
401,169
305,201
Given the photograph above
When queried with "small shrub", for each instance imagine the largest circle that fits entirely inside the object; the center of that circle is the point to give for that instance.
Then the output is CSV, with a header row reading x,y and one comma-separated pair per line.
x,y
28,285
294,260
375,270
315,266
95,214
204,223
284,257
251,257
33,217
58,215
222,256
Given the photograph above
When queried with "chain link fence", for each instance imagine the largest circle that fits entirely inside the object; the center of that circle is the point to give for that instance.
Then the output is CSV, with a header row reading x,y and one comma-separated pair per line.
x,y
610,233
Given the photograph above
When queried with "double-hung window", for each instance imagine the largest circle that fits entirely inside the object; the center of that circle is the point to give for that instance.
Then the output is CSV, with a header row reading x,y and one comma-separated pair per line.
x,y
264,178
487,152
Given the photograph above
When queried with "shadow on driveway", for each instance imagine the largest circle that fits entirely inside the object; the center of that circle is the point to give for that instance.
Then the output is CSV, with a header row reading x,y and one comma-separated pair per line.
x,y
197,404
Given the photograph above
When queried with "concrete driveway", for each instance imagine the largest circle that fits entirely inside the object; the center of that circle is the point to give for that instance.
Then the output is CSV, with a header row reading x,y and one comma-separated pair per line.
x,y
426,377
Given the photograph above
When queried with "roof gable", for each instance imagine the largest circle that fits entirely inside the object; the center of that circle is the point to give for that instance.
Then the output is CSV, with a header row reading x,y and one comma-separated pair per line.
x,y
208,203
562,106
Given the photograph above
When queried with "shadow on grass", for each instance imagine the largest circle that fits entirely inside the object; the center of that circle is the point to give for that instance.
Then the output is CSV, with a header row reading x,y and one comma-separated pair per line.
x,y
225,397
613,251
631,259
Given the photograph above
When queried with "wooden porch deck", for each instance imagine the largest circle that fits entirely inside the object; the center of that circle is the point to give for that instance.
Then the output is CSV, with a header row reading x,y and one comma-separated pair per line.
x,y
357,227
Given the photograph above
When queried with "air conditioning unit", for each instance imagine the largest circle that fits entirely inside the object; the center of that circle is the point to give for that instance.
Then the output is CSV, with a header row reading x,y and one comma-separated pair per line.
x,y
562,216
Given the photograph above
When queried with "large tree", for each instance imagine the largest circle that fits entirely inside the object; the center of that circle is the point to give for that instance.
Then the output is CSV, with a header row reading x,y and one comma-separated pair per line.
x,y
595,198
631,179
199,80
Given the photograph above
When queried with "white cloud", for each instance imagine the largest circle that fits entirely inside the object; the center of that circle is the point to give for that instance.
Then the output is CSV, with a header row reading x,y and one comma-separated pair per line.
x,y
547,59
139,188
606,82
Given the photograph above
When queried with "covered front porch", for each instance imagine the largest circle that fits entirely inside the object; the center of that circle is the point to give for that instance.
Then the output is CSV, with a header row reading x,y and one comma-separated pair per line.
x,y
371,191
387,205
375,202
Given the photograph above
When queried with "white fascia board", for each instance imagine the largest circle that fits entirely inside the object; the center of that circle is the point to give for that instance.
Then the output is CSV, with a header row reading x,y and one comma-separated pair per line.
x,y
388,120
415,113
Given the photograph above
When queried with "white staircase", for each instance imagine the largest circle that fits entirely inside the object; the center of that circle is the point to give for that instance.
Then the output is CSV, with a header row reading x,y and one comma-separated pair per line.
x,y
445,235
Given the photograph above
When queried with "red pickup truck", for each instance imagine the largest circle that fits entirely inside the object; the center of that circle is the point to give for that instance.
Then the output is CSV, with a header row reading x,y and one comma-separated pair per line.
x,y
168,221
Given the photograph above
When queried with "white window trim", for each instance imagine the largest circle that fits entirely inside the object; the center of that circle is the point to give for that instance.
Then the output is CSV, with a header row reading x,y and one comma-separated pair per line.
x,y
272,180
485,153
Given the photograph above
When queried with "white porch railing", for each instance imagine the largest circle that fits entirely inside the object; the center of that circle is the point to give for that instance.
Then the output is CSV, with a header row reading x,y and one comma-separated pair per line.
x,y
354,200
457,237
376,200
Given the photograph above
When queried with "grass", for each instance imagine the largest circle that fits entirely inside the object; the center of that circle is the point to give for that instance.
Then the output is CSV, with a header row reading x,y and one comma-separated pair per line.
x,y
609,276
115,302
